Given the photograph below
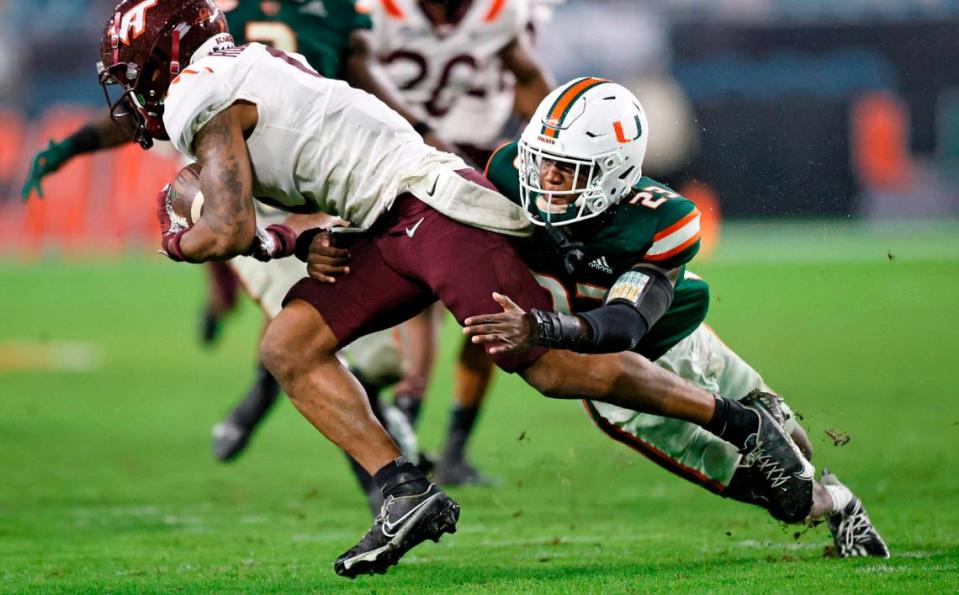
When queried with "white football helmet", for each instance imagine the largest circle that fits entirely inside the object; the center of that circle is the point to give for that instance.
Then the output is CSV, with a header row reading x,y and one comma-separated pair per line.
x,y
596,128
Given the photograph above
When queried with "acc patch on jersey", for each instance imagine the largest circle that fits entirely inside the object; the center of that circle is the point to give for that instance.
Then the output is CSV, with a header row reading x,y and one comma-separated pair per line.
x,y
628,287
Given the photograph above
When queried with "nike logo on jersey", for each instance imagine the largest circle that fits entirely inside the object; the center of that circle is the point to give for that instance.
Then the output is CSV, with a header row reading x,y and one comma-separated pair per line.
x,y
600,264
411,231
433,189
314,7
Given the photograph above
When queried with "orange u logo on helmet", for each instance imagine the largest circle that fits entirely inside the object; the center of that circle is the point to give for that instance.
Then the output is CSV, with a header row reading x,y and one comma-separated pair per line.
x,y
621,136
134,21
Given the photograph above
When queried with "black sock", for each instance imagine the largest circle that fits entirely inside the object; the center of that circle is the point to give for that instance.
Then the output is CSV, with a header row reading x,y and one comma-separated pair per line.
x,y
409,405
362,477
732,422
462,420
259,399
400,478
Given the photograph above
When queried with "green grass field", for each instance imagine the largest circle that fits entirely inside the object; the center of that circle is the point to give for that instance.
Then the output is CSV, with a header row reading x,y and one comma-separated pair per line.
x,y
107,482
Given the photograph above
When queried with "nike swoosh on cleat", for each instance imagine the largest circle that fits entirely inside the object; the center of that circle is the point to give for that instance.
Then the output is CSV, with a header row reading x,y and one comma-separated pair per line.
x,y
410,232
388,527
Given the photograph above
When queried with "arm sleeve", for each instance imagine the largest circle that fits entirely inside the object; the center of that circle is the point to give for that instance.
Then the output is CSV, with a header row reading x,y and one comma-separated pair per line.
x,y
637,300
614,328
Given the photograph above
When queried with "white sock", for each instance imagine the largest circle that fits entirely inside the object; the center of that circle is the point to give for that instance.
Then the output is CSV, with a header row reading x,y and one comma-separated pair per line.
x,y
841,497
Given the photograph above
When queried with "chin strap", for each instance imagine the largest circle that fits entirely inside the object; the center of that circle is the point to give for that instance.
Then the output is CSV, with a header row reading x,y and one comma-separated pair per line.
x,y
571,252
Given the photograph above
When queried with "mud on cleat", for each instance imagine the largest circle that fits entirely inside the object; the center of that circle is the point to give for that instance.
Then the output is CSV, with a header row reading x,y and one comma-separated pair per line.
x,y
852,531
787,475
403,523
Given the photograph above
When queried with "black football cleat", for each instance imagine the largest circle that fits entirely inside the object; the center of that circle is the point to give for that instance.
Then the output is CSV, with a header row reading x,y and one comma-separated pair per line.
x,y
403,523
851,529
230,438
788,476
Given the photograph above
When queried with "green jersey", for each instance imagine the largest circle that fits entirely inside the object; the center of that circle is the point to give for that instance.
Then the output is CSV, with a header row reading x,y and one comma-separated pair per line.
x,y
318,29
655,226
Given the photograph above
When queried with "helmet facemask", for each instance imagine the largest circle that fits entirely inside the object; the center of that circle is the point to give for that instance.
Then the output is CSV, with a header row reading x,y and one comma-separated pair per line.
x,y
126,108
585,199
140,62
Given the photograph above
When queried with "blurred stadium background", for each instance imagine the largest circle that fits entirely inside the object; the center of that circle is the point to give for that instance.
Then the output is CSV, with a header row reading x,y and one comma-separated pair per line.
x,y
821,138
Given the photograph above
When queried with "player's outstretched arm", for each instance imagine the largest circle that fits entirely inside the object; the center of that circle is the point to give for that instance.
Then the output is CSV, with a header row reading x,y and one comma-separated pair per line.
x,y
635,302
97,134
533,81
227,225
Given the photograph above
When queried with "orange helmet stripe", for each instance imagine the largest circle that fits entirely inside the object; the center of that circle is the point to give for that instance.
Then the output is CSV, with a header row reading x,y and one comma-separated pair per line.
x,y
565,101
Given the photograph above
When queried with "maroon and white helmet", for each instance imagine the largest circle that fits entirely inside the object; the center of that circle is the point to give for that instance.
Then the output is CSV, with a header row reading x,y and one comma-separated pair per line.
x,y
145,45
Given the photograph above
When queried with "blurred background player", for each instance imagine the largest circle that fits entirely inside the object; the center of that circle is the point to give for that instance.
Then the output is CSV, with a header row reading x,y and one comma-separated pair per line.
x,y
629,288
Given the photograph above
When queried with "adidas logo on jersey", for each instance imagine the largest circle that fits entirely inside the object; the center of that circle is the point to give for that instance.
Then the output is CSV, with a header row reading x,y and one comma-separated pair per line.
x,y
600,264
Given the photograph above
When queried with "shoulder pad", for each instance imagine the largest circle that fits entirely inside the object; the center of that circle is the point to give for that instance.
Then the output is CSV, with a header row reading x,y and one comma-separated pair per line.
x,y
511,14
502,170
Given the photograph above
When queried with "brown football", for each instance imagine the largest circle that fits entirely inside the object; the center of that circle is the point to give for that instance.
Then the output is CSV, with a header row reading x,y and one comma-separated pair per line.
x,y
186,199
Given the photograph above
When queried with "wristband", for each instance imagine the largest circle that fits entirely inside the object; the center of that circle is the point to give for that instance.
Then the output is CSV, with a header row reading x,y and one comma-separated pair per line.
x,y
558,331
276,241
171,247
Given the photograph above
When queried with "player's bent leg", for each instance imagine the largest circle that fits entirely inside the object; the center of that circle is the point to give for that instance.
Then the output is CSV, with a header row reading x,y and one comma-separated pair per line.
x,y
320,318
624,379
221,299
232,435
299,349
267,284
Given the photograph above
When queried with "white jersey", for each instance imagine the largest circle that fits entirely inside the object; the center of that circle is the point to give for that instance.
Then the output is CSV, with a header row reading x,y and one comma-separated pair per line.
x,y
436,66
320,145
479,117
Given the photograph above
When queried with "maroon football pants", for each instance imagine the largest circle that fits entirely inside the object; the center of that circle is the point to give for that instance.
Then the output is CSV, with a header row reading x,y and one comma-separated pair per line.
x,y
413,256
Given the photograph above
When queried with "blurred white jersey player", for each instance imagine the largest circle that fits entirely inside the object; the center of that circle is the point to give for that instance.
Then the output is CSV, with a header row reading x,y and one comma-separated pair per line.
x,y
461,66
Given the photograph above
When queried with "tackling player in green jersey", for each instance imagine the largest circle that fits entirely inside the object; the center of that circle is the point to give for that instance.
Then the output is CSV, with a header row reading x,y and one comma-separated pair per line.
x,y
612,247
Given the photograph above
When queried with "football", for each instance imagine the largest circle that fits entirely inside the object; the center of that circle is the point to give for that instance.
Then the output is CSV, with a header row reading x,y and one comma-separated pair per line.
x,y
185,198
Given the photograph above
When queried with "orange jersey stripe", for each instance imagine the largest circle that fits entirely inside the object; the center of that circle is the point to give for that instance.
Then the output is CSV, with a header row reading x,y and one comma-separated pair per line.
x,y
393,9
494,10
675,250
662,234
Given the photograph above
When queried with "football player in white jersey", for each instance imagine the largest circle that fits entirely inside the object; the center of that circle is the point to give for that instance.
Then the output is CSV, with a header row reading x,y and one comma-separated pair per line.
x,y
439,52
263,124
